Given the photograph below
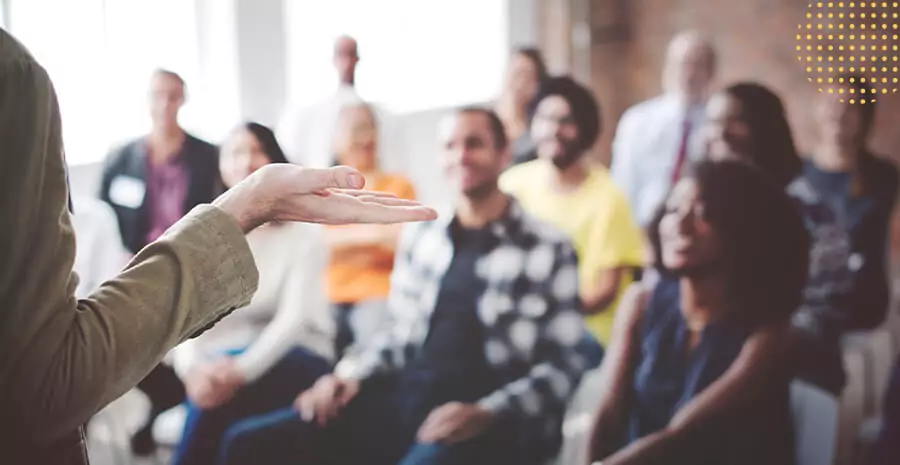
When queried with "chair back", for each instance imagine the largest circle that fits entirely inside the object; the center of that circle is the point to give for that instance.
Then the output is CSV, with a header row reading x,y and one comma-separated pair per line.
x,y
815,415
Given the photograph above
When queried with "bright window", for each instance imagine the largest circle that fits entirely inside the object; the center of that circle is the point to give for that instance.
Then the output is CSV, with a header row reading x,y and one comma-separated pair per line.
x,y
99,54
415,54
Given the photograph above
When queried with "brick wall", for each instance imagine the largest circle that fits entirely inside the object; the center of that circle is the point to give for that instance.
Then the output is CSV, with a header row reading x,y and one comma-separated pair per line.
x,y
756,40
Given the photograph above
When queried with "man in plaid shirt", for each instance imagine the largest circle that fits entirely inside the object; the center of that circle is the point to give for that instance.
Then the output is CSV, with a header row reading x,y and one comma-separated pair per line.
x,y
489,341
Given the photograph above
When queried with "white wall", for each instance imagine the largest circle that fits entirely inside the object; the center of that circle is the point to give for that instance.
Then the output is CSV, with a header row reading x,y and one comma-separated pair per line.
x,y
419,134
262,58
244,76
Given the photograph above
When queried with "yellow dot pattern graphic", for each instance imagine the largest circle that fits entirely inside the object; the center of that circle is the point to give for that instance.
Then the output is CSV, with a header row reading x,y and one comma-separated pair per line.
x,y
859,38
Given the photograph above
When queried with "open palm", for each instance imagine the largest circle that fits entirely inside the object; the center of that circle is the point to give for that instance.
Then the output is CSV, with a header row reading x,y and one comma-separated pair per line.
x,y
282,192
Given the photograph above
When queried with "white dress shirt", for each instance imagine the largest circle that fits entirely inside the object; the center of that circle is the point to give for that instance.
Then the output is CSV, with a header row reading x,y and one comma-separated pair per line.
x,y
306,132
289,308
645,150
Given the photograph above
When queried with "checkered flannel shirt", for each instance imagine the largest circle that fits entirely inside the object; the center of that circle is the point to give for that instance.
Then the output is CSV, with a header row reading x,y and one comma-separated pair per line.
x,y
531,311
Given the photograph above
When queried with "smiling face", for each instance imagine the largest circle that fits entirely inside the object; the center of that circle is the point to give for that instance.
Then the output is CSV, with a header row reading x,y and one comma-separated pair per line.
x,y
839,122
165,97
470,157
522,78
555,132
690,66
727,133
356,138
240,156
688,241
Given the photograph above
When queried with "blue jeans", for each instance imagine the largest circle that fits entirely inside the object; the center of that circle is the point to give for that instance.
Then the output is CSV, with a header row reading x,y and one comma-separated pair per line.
x,y
206,432
368,431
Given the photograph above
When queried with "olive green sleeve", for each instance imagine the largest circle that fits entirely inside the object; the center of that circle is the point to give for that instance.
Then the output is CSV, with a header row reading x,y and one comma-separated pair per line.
x,y
61,360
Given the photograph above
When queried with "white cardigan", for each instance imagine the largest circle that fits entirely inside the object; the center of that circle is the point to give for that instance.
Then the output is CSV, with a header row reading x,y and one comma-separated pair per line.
x,y
290,308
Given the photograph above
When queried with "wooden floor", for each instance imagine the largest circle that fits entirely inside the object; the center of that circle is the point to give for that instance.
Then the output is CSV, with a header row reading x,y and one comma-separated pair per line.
x,y
109,431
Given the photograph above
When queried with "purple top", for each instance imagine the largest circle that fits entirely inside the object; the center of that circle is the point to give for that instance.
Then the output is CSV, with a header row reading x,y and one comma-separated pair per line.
x,y
167,186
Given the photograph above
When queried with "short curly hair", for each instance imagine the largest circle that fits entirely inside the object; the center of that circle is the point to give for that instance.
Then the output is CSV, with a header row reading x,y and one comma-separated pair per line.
x,y
585,109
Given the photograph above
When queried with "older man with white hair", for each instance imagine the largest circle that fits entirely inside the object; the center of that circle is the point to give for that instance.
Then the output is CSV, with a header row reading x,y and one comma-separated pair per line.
x,y
656,139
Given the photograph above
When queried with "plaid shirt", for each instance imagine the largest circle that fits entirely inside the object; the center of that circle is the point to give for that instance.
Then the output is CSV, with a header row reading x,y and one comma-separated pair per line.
x,y
530,308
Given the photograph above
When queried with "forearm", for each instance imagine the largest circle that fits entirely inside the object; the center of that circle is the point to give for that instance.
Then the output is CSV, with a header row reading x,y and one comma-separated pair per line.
x,y
598,302
608,431
276,339
86,354
382,356
660,447
598,294
267,350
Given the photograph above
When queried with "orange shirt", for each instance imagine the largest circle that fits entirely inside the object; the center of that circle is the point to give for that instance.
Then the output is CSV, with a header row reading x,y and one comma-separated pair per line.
x,y
364,272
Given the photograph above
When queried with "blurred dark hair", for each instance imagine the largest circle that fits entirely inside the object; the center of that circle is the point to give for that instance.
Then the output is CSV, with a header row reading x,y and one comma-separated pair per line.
x,y
764,241
772,146
267,140
537,59
501,141
585,109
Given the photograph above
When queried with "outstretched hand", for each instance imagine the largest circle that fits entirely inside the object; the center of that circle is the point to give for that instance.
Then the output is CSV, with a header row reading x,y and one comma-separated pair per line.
x,y
282,192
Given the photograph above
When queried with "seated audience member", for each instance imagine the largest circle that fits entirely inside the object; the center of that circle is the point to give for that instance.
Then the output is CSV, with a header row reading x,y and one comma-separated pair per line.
x,y
362,256
525,75
862,189
696,373
487,347
256,359
151,183
564,189
748,122
887,448
99,253
657,139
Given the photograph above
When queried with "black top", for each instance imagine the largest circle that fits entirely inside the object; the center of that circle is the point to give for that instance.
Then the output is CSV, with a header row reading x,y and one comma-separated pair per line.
x,y
867,219
452,365
668,376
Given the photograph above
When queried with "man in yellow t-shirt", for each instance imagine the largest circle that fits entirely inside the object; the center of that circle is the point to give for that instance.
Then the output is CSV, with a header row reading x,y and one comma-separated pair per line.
x,y
563,189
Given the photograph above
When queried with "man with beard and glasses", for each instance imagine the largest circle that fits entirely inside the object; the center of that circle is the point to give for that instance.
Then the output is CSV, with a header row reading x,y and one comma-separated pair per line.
x,y
564,189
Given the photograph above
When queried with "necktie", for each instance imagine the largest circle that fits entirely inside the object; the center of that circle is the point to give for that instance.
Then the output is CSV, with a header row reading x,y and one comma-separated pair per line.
x,y
682,150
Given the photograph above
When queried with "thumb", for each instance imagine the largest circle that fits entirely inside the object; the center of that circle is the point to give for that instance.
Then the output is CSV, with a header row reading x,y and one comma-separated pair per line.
x,y
338,177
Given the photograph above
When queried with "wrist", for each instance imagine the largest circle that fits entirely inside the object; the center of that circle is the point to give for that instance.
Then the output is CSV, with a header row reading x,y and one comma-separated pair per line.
x,y
235,203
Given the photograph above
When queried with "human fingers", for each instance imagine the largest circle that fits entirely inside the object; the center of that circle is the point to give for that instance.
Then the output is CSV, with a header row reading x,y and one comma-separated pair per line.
x,y
344,209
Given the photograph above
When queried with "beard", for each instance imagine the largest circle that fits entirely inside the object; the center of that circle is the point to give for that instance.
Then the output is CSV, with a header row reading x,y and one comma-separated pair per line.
x,y
481,191
566,159
569,156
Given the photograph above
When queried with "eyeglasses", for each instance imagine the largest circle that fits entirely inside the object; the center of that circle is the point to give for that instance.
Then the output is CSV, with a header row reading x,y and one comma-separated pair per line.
x,y
560,120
